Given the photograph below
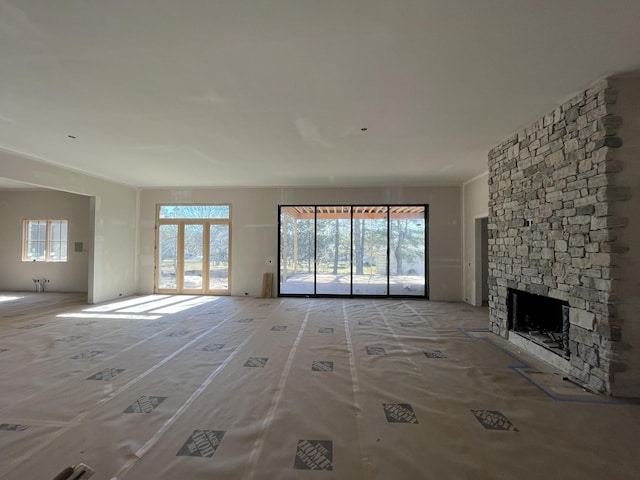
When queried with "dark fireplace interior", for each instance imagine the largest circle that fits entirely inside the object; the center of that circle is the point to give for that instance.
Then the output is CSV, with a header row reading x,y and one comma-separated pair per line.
x,y
540,319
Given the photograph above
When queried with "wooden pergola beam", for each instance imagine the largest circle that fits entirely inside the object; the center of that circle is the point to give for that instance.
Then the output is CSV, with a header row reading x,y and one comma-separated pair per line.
x,y
359,212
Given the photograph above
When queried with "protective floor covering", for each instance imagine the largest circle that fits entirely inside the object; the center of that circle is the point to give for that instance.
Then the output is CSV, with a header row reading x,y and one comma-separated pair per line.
x,y
163,387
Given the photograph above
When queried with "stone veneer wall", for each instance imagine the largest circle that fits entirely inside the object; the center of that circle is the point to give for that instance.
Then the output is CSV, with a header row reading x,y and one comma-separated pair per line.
x,y
561,173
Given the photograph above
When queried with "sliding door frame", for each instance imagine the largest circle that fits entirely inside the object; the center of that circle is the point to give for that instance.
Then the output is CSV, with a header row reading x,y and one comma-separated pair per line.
x,y
352,207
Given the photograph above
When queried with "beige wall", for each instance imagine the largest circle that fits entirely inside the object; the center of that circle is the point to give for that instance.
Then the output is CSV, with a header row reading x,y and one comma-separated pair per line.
x,y
122,224
255,228
627,383
16,206
475,204
112,257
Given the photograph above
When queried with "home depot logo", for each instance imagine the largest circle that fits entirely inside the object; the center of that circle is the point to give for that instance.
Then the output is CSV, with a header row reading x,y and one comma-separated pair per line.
x,y
145,404
69,339
201,443
213,347
86,355
320,366
314,455
399,413
494,420
106,374
178,333
12,427
29,327
434,354
375,351
256,362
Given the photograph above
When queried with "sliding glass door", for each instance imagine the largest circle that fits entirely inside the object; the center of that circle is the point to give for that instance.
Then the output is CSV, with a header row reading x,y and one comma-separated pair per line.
x,y
347,250
370,251
407,237
333,251
297,250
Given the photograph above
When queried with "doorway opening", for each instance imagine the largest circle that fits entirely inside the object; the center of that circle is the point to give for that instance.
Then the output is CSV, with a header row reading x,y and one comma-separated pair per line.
x,y
193,249
482,261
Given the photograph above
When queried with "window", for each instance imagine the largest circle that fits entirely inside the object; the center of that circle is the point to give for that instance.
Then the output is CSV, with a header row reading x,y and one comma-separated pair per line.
x,y
195,211
193,249
44,241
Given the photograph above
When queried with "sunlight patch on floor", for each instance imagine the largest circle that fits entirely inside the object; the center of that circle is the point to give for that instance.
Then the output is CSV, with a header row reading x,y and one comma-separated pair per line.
x,y
7,298
118,316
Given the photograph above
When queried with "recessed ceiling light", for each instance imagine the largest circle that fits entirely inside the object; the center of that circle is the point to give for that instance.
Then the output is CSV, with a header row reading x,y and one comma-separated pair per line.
x,y
71,136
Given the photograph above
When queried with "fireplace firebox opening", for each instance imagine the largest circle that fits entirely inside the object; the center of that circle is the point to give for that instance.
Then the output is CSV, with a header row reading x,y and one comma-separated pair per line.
x,y
540,319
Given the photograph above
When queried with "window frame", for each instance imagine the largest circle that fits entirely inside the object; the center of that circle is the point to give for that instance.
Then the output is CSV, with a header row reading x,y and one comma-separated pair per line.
x,y
181,222
48,241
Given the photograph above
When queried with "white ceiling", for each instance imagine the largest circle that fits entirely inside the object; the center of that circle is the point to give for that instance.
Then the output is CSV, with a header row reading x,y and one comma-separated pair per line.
x,y
249,93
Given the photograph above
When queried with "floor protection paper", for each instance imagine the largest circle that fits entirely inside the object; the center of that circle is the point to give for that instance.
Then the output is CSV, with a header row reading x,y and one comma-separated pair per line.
x,y
169,387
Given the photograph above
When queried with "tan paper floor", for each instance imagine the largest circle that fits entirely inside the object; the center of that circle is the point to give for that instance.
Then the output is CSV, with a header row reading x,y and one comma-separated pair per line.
x,y
163,387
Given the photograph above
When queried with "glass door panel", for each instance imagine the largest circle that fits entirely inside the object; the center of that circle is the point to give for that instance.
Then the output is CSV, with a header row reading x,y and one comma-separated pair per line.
x,y
167,257
297,250
370,250
333,251
375,250
407,251
218,257
193,250
193,257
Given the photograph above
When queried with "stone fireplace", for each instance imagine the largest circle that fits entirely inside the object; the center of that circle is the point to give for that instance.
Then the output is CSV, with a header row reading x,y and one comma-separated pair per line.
x,y
564,237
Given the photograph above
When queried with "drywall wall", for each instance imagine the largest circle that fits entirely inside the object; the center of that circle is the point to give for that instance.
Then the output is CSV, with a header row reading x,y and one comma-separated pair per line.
x,y
255,228
16,206
112,257
627,381
475,204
